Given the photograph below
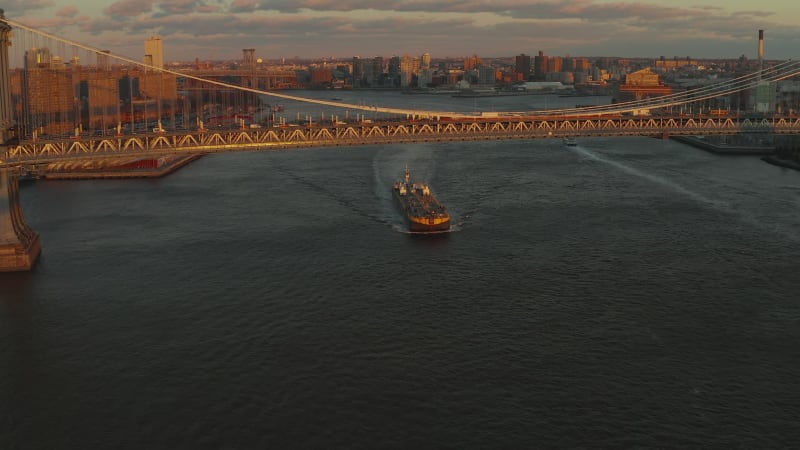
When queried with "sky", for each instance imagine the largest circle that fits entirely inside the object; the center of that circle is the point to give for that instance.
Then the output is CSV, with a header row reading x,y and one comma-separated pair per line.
x,y
220,29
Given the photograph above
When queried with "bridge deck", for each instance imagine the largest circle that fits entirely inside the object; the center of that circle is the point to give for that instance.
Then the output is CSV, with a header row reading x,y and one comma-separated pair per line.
x,y
208,141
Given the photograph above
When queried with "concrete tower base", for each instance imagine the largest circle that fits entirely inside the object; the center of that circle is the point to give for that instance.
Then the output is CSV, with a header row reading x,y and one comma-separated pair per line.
x,y
19,245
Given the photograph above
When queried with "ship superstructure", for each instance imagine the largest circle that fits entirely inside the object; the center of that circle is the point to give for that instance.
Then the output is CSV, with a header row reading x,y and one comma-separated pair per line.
x,y
423,210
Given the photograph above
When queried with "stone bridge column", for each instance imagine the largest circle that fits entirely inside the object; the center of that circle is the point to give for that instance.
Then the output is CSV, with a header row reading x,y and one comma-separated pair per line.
x,y
19,245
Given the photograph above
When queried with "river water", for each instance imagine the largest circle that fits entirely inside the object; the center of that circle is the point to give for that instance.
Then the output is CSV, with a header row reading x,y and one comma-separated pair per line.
x,y
624,293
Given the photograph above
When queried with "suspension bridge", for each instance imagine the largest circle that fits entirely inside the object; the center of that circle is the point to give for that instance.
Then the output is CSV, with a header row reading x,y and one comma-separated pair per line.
x,y
63,101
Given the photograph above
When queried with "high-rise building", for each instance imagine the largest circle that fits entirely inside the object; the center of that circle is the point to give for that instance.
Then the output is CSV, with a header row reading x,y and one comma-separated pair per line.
x,y
522,66
321,76
472,62
540,66
487,74
104,60
367,77
248,58
425,78
46,92
37,57
57,63
394,70
406,71
358,71
154,47
426,60
377,71
582,64
555,64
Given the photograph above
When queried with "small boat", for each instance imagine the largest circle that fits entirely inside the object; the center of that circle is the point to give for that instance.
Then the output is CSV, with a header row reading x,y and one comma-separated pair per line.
x,y
570,142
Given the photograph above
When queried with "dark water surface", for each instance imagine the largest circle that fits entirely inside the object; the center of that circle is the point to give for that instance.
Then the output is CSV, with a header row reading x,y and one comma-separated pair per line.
x,y
627,293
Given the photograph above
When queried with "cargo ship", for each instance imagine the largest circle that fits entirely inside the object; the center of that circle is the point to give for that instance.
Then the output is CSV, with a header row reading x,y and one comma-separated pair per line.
x,y
425,213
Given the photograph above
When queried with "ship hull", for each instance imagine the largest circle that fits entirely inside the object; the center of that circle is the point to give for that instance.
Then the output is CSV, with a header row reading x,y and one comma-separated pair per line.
x,y
421,224
426,228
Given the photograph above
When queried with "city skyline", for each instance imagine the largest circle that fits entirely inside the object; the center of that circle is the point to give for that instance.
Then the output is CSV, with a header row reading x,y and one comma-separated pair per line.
x,y
321,28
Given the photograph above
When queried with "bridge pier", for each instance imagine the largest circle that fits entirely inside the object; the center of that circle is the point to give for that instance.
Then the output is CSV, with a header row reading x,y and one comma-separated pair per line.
x,y
19,244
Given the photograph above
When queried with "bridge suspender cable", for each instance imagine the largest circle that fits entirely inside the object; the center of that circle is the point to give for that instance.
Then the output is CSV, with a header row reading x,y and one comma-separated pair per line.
x,y
778,72
401,111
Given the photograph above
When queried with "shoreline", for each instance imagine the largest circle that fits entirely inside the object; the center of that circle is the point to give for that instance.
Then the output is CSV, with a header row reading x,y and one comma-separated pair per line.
x,y
724,150
775,161
502,94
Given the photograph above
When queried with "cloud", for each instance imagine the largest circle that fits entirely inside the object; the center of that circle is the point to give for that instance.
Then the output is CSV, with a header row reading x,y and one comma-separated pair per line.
x,y
184,7
623,13
97,26
512,8
129,8
208,9
753,13
153,8
14,8
58,25
67,11
313,28
239,6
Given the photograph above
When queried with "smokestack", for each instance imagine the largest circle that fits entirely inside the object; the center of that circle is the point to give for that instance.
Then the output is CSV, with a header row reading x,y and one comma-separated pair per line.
x,y
760,52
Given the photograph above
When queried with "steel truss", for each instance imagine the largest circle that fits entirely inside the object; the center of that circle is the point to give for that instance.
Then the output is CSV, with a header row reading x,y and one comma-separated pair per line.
x,y
209,141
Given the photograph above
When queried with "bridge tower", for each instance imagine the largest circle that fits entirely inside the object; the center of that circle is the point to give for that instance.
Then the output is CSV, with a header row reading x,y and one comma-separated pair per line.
x,y
6,110
19,245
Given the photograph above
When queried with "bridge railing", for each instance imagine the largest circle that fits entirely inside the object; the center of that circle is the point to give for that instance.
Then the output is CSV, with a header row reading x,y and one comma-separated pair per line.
x,y
206,141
